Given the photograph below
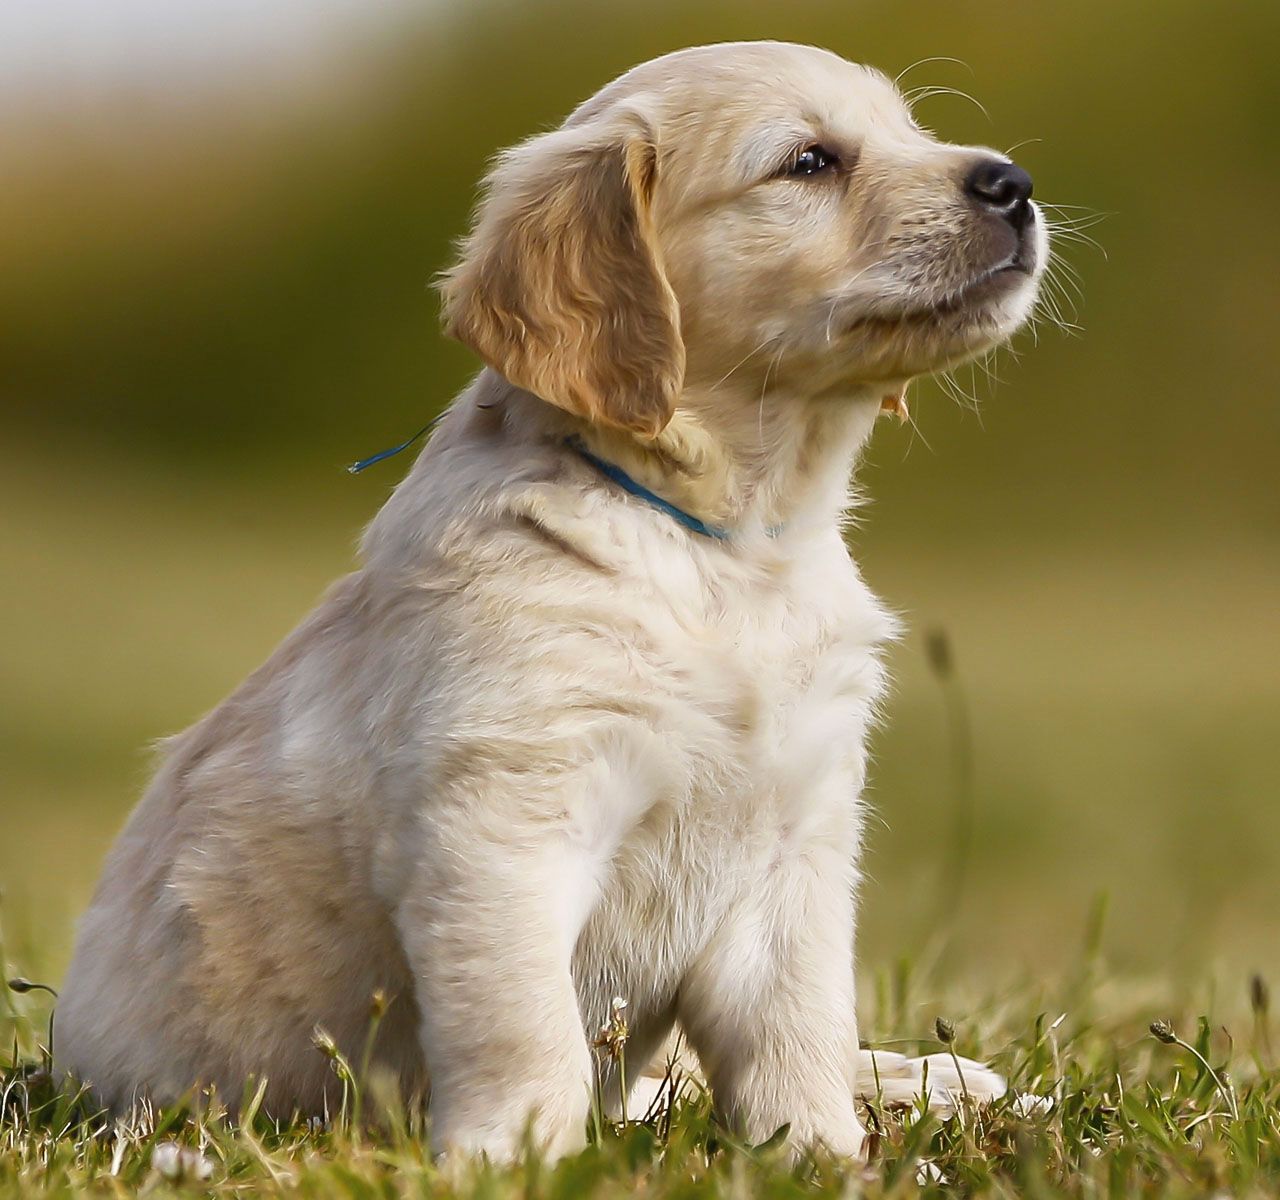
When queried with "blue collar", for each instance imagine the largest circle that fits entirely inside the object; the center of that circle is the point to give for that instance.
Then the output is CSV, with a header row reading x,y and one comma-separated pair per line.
x,y
629,485
607,469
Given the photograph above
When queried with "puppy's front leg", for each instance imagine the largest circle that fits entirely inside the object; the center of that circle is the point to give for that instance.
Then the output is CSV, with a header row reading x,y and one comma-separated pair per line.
x,y
769,1007
485,925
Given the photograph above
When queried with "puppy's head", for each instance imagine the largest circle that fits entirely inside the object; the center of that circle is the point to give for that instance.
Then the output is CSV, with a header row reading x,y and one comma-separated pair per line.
x,y
761,210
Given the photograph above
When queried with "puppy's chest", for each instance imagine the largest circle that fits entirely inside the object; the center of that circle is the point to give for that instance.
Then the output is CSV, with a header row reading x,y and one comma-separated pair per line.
x,y
762,715
762,695
752,708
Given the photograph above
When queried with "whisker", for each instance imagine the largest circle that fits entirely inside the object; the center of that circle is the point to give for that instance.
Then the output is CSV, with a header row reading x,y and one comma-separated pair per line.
x,y
1083,239
831,313
951,386
1058,260
764,387
986,364
1050,304
936,58
1083,221
916,432
1067,283
916,95
1071,227
1018,145
1080,207
839,296
749,354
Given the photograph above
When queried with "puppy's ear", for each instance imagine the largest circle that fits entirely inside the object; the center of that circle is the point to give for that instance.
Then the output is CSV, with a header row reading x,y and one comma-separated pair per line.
x,y
560,287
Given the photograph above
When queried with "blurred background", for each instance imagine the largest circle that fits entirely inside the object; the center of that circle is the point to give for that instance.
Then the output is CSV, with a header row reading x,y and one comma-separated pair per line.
x,y
218,226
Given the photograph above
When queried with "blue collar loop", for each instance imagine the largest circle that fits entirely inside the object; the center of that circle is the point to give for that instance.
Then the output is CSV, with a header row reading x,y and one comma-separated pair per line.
x,y
364,464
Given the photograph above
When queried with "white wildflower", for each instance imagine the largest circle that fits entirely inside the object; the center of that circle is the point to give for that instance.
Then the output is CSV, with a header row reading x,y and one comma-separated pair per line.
x,y
1027,1104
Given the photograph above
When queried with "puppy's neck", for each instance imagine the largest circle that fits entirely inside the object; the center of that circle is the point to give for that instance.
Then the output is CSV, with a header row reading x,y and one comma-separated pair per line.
x,y
725,458
738,463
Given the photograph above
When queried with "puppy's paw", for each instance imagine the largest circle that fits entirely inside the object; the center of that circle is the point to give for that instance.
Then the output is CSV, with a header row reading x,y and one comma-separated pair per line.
x,y
896,1079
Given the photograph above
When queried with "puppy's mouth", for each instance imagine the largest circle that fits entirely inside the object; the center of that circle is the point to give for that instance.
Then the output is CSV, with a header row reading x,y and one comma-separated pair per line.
x,y
971,298
941,326
991,284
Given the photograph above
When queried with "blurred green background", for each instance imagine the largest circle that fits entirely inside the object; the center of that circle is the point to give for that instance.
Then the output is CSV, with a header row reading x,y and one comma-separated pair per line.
x,y
215,292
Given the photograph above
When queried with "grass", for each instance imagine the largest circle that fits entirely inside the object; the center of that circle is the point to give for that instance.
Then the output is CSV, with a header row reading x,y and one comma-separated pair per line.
x,y
1113,1099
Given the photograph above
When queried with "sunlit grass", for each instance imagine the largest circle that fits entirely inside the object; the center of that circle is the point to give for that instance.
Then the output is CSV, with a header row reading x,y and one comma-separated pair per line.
x,y
1116,1100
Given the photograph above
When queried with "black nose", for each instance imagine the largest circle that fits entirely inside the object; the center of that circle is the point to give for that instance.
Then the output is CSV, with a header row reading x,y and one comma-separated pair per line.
x,y
1002,188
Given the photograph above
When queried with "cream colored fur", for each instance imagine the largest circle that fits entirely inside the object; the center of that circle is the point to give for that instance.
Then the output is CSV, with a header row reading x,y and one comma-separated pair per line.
x,y
546,746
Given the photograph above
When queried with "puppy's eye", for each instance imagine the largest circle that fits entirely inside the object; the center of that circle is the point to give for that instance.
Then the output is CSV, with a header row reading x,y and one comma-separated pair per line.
x,y
812,160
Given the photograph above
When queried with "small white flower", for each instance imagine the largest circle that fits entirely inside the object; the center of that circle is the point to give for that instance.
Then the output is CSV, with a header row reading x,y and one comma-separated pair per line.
x,y
614,1032
1027,1104
176,1163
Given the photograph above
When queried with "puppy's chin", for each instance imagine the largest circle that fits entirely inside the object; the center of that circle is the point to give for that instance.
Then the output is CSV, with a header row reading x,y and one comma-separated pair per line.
x,y
927,340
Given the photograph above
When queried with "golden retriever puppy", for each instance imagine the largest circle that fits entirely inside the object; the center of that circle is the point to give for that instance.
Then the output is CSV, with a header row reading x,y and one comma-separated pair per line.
x,y
591,718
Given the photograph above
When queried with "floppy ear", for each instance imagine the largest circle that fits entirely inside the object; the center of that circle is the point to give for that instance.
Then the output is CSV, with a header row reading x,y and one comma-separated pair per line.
x,y
560,287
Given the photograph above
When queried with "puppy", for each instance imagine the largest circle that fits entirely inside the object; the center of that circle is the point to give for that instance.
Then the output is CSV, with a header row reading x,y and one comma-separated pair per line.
x,y
591,718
